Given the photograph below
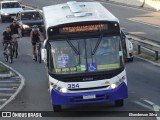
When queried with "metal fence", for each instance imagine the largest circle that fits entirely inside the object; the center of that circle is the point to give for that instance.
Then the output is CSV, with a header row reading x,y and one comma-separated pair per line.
x,y
146,43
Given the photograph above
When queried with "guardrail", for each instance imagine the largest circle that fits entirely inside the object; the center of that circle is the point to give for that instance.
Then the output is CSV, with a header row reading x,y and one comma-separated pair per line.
x,y
146,43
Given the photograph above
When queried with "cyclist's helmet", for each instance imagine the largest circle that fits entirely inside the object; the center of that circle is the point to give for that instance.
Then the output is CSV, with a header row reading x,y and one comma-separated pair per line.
x,y
35,27
8,28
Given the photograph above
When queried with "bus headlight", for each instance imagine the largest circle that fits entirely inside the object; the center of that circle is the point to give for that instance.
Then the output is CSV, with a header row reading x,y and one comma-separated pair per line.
x,y
113,86
5,14
61,89
25,26
64,90
116,84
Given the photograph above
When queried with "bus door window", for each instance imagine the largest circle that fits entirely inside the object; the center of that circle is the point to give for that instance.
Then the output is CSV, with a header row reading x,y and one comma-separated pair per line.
x,y
123,39
50,58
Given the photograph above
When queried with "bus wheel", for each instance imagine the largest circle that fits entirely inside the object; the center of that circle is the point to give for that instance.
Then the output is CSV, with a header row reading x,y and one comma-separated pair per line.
x,y
129,59
57,108
119,103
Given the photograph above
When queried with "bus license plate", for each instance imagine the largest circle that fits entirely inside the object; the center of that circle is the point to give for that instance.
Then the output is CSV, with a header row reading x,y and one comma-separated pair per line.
x,y
89,97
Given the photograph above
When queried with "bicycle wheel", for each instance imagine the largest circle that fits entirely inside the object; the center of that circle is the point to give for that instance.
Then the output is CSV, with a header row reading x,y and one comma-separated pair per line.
x,y
35,58
39,56
16,52
16,49
11,48
13,51
10,59
6,58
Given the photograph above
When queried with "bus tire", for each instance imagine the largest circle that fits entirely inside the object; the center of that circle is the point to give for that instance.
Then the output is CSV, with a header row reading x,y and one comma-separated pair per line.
x,y
129,59
119,103
57,108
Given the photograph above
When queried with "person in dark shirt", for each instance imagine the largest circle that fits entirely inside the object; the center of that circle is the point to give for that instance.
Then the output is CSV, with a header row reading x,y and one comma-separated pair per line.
x,y
35,36
16,30
7,37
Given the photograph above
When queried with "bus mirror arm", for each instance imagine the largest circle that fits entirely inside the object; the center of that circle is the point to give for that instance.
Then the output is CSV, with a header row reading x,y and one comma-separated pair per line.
x,y
129,38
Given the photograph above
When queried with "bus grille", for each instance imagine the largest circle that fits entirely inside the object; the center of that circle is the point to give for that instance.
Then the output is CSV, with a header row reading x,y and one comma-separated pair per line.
x,y
91,88
12,14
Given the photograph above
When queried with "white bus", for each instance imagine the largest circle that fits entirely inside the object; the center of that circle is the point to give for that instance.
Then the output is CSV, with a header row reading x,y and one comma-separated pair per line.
x,y
83,54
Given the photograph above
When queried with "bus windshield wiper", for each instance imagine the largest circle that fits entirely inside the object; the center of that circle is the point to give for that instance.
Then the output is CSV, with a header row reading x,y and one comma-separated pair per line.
x,y
97,44
74,49
72,46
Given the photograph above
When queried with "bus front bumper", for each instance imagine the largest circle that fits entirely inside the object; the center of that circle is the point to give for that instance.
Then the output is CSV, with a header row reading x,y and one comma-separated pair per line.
x,y
58,98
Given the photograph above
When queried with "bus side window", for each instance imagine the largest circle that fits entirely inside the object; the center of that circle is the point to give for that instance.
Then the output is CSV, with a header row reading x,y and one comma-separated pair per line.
x,y
48,47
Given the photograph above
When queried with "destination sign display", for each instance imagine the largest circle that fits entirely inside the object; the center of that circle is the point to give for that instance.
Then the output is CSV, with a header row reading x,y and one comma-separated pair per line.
x,y
83,28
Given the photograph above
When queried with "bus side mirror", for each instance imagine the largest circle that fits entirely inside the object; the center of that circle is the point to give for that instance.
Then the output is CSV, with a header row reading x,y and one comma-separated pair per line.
x,y
44,55
130,46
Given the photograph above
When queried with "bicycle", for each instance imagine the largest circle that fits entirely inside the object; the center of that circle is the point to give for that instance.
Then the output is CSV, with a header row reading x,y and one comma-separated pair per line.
x,y
8,52
38,53
15,49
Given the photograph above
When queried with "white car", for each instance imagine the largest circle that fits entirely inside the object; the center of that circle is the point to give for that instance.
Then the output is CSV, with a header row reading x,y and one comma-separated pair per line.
x,y
9,9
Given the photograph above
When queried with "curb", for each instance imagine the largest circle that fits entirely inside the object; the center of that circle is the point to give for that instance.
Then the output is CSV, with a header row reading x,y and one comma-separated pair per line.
x,y
19,88
149,61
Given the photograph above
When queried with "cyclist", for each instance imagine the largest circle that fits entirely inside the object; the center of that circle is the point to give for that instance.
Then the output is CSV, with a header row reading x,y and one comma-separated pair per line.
x,y
35,35
7,37
15,29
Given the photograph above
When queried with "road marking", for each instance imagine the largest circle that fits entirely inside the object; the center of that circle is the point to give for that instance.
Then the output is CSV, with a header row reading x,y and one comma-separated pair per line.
x,y
19,88
149,102
143,105
9,85
156,108
5,94
7,89
9,81
144,23
3,100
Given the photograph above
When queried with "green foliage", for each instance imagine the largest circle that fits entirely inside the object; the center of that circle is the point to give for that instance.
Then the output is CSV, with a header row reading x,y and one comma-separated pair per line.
x,y
3,69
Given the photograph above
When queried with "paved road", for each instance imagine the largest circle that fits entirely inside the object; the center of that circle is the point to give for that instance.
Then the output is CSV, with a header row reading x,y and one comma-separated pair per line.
x,y
143,82
137,21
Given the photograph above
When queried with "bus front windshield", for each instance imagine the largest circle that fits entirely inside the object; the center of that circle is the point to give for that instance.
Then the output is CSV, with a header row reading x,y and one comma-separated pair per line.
x,y
70,56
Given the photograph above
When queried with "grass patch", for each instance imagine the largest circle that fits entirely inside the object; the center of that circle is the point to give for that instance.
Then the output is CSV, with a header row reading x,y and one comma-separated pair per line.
x,y
3,69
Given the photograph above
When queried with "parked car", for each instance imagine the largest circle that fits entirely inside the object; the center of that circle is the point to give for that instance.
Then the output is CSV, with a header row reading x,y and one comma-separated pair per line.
x,y
9,9
28,18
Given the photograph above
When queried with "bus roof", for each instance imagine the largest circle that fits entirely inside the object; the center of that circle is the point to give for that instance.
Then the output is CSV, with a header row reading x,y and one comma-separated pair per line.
x,y
73,11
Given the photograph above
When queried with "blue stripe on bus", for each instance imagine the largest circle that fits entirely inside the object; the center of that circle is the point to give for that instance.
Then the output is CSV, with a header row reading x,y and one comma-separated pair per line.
x,y
121,92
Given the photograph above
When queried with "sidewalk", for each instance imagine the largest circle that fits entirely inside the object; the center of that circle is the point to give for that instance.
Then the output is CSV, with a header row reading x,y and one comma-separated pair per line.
x,y
149,4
